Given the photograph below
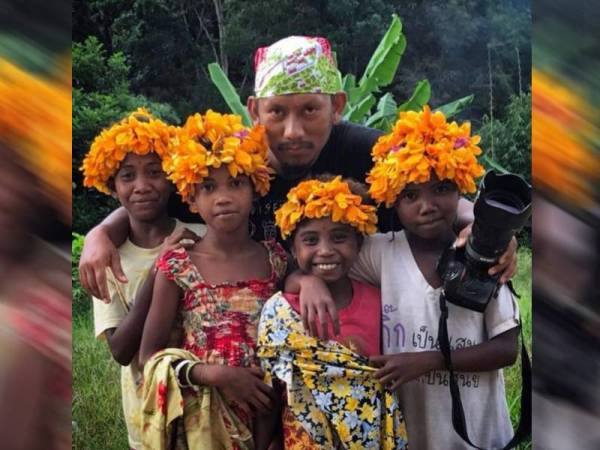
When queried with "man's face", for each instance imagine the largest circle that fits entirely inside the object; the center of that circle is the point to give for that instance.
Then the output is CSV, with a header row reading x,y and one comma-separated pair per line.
x,y
298,126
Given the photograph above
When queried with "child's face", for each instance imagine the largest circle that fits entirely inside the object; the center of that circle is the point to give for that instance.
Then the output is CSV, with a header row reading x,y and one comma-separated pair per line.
x,y
142,187
325,248
224,202
428,210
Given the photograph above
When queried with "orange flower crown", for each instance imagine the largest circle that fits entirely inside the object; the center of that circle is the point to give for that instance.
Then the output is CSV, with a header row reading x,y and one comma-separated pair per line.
x,y
314,199
35,122
138,133
211,140
419,143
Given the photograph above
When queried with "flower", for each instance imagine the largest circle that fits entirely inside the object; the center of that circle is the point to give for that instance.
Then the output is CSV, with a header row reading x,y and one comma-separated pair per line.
x,y
368,413
340,387
419,143
138,133
214,139
161,399
315,199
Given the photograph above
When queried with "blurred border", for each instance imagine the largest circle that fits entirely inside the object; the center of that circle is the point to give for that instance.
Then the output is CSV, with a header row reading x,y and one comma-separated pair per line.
x,y
566,269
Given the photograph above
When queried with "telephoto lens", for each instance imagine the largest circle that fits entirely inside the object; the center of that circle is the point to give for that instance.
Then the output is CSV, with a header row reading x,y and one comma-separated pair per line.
x,y
502,208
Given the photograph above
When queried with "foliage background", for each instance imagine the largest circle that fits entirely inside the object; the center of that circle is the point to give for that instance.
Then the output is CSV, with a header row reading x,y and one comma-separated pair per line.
x,y
155,52
128,53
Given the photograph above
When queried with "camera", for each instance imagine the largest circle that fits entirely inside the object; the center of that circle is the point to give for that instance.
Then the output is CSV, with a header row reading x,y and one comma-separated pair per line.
x,y
502,207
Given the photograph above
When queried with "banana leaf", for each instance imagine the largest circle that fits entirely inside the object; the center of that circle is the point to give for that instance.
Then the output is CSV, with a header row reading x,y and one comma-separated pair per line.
x,y
357,112
418,99
383,63
385,114
453,108
228,92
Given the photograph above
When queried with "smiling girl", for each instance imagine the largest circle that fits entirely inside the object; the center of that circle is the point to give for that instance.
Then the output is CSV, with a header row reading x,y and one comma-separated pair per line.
x,y
332,399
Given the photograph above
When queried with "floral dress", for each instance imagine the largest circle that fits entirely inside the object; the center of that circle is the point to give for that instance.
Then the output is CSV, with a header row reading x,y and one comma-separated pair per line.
x,y
333,400
220,321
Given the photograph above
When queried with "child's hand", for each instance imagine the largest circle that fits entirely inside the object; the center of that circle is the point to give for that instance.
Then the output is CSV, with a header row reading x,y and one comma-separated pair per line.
x,y
316,303
507,263
244,385
182,237
400,368
97,254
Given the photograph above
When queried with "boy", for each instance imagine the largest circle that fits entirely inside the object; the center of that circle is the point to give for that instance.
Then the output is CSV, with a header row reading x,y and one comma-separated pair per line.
x,y
126,161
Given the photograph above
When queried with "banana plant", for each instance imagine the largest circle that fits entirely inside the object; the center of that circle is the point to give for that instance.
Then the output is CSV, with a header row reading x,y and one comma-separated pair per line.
x,y
380,72
361,98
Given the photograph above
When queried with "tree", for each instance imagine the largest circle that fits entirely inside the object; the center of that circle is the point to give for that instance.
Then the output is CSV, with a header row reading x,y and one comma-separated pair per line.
x,y
101,96
507,142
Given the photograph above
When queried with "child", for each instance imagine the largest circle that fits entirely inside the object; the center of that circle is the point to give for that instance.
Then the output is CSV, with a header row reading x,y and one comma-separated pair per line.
x,y
126,161
420,168
217,290
333,401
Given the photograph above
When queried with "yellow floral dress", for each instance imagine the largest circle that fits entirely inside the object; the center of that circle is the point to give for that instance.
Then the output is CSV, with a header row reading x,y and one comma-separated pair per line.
x,y
330,389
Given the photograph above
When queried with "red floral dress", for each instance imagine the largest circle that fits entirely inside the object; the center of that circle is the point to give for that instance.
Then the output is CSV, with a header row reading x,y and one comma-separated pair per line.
x,y
220,321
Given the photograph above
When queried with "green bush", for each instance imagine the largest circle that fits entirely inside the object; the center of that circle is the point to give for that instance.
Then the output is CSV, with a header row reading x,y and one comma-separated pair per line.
x,y
511,138
101,97
81,299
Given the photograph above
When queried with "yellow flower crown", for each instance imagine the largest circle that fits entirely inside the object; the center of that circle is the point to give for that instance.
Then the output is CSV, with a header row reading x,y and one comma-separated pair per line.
x,y
139,133
313,199
211,140
35,122
419,142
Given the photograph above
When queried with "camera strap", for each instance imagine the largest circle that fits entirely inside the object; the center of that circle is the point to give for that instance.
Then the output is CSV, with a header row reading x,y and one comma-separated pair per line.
x,y
458,414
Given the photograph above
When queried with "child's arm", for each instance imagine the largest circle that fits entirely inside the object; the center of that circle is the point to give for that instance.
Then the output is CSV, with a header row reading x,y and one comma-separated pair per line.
x,y
500,351
245,385
100,251
316,303
267,427
161,317
124,340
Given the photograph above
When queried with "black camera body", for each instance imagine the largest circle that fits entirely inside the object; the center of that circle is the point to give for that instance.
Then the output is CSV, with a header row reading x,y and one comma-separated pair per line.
x,y
502,207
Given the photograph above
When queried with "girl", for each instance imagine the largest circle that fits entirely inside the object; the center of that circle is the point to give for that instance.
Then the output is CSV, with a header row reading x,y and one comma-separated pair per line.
x,y
332,401
216,289
420,168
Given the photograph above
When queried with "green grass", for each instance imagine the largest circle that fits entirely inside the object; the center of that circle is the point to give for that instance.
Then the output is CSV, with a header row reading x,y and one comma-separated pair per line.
x,y
512,375
97,411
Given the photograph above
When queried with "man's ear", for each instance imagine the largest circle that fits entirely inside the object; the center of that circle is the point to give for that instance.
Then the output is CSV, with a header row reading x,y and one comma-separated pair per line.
x,y
252,105
339,103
